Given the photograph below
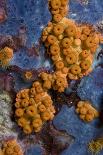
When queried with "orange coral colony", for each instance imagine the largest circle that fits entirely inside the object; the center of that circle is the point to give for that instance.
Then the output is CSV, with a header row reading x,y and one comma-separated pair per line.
x,y
6,55
57,80
33,108
11,147
86,112
69,44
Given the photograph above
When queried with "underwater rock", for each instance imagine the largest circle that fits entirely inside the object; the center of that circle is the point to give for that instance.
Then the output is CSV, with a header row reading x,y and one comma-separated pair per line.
x,y
6,82
22,72
6,40
6,124
55,141
14,42
60,99
33,51
83,2
22,36
3,13
100,54
100,26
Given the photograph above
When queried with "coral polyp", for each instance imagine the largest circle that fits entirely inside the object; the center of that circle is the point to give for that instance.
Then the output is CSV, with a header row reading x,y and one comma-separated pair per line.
x,y
56,80
33,108
6,54
28,75
95,146
11,147
86,112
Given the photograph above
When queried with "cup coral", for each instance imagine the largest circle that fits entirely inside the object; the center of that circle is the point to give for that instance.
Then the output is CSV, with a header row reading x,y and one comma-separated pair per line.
x,y
28,75
6,55
11,147
95,146
69,44
86,111
33,108
56,80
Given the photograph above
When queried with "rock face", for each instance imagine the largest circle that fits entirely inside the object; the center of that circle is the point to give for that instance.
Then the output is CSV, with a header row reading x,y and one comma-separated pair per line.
x,y
3,13
55,141
6,125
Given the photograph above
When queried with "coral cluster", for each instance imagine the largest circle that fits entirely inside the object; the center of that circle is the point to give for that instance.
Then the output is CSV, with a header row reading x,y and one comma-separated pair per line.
x,y
72,46
95,146
33,108
11,147
56,80
69,44
6,54
58,9
86,111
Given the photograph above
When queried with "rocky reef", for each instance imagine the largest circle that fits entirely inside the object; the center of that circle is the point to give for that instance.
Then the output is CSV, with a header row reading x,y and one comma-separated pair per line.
x,y
49,79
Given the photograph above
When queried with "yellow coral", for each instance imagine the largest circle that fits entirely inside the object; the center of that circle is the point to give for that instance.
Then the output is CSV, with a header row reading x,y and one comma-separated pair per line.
x,y
6,55
56,80
11,147
33,108
69,43
86,111
95,146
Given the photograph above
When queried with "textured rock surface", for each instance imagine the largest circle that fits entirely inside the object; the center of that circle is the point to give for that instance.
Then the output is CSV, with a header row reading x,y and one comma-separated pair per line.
x,y
6,124
35,15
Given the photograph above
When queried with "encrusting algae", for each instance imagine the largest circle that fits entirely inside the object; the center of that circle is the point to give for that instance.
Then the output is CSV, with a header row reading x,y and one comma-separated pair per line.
x,y
70,45
11,147
86,112
6,54
33,108
95,146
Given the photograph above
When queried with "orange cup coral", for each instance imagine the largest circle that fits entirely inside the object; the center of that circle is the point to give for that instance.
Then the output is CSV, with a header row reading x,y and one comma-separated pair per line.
x,y
28,75
69,44
33,108
11,147
86,111
56,80
6,55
